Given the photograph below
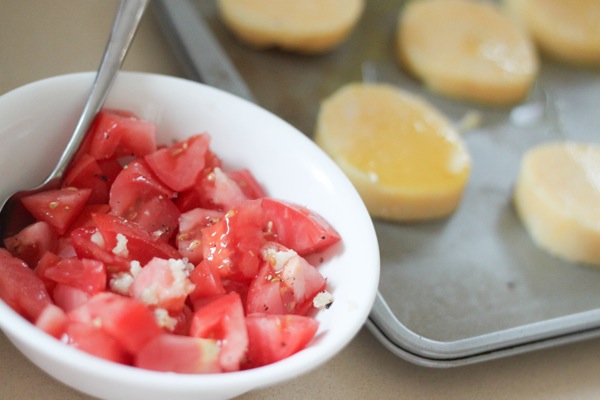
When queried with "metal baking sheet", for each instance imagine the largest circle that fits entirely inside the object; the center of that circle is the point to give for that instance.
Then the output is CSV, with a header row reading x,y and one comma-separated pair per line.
x,y
472,286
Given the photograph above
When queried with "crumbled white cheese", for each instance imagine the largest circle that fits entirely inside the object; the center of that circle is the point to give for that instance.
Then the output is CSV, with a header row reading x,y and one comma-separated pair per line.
x,y
180,270
97,239
164,319
323,299
135,267
122,281
121,246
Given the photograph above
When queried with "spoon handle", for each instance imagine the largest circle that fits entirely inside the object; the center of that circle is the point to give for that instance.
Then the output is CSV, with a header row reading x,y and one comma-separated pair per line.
x,y
123,31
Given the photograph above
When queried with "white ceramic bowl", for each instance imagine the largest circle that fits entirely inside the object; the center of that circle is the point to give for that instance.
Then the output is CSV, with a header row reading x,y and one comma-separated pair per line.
x,y
35,121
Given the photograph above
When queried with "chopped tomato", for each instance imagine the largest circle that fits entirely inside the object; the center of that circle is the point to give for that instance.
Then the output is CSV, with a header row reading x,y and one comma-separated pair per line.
x,y
223,320
163,258
163,283
247,183
57,207
274,337
85,274
21,288
85,172
116,133
138,244
232,245
179,166
126,320
96,341
52,320
134,186
297,227
31,243
191,224
286,283
89,243
48,260
182,354
68,297
207,282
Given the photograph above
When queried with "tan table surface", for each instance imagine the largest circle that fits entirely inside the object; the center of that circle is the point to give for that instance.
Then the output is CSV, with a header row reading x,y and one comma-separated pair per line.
x,y
41,38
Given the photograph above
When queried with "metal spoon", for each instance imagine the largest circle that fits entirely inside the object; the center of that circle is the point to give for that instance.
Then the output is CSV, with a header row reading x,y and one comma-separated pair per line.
x,y
123,30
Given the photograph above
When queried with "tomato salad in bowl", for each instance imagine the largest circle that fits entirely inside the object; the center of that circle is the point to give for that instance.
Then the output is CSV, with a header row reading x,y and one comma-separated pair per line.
x,y
195,235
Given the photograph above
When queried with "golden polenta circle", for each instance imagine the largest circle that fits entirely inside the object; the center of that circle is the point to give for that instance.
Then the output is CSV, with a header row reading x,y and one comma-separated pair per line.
x,y
557,198
307,26
567,30
403,156
466,49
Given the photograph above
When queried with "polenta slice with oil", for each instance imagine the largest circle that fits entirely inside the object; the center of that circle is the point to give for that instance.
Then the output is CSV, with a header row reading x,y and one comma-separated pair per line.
x,y
403,156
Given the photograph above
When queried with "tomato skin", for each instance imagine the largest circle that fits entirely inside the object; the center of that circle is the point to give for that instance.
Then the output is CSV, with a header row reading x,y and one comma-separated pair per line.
x,y
59,207
223,319
272,338
32,242
181,354
21,288
179,166
297,227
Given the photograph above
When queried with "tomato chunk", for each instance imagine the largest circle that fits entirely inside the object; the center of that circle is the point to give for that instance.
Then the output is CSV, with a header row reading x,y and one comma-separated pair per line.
x,y
116,133
95,341
31,243
223,320
274,337
85,274
21,288
52,320
297,227
133,187
232,245
126,320
191,224
180,165
138,244
57,207
182,354
286,283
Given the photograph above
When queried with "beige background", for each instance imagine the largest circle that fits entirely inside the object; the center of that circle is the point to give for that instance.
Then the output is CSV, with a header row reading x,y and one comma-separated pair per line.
x,y
44,38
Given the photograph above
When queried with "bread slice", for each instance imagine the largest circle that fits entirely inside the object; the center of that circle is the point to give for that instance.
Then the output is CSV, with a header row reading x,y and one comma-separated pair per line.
x,y
466,49
557,197
403,156
307,26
